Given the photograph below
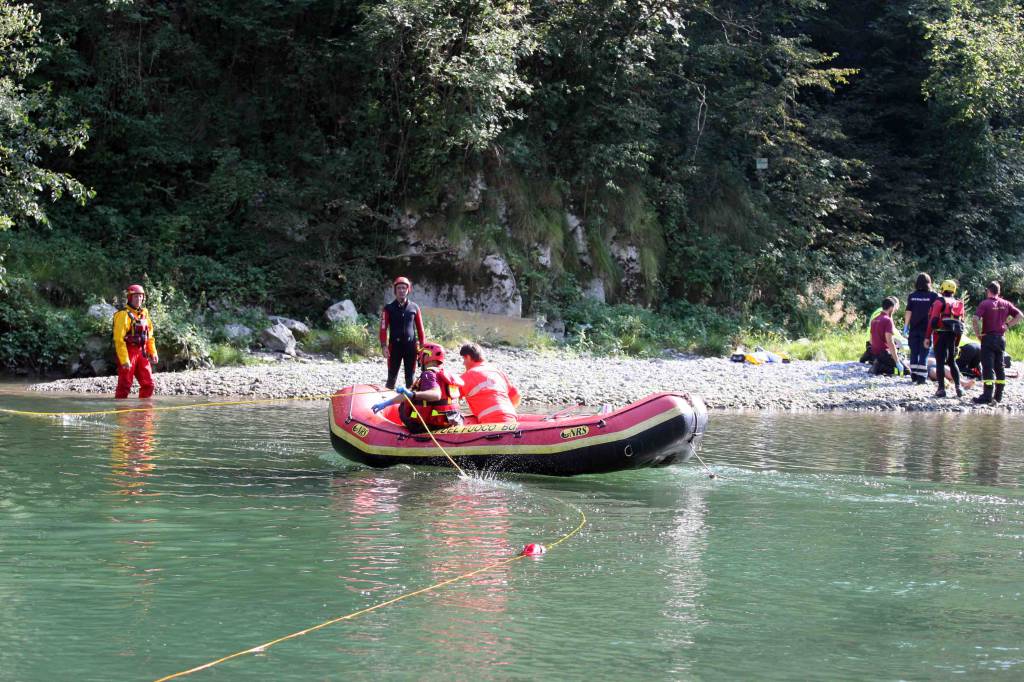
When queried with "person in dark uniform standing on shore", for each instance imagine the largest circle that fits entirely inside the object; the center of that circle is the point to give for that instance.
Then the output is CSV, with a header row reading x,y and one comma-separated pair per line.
x,y
945,327
915,324
994,316
401,332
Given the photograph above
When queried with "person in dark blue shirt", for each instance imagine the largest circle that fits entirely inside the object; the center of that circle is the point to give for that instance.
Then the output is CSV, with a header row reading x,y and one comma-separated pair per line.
x,y
915,324
401,325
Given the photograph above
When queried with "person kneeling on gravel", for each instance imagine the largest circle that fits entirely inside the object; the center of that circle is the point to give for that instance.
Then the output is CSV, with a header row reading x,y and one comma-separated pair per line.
x,y
883,346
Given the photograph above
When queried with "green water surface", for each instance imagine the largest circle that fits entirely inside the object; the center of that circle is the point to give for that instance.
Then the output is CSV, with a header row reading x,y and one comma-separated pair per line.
x,y
832,546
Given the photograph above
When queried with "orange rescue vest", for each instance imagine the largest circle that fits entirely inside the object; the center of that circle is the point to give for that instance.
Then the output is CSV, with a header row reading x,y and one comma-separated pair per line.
x,y
488,392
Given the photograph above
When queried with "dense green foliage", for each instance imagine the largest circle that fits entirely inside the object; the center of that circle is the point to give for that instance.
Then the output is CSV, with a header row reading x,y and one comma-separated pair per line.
x,y
260,153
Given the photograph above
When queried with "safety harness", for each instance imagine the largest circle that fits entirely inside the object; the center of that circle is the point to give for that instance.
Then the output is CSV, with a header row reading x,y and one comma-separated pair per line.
x,y
438,414
138,330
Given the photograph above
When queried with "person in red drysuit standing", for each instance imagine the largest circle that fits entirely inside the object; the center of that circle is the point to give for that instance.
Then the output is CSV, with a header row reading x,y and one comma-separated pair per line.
x,y
134,345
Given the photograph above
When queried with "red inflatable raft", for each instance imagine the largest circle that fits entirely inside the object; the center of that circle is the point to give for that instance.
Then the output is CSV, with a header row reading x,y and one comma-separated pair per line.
x,y
658,430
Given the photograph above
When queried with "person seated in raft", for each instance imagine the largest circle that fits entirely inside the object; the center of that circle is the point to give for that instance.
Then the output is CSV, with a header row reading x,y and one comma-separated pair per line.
x,y
883,347
433,398
487,390
868,356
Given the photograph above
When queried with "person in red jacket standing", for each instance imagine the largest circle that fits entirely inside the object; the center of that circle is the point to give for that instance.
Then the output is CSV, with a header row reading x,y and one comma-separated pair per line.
x,y
994,316
401,332
490,394
134,345
945,326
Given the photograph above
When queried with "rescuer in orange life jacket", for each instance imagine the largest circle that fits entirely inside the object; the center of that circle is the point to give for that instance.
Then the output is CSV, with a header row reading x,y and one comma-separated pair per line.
x,y
435,395
490,394
134,344
945,326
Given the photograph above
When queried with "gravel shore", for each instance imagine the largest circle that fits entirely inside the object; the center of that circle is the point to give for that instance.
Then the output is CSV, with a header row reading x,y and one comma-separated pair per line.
x,y
561,378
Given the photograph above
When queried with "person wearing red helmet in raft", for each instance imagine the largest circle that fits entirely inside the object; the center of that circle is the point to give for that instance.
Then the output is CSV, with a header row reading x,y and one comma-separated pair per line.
x,y
401,332
487,390
134,345
434,395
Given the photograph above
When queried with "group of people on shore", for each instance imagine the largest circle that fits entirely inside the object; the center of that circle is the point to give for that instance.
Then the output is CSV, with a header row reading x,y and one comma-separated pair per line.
x,y
936,323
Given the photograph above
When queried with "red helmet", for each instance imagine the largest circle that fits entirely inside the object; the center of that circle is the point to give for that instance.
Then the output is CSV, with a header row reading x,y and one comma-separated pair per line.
x,y
431,352
401,280
135,289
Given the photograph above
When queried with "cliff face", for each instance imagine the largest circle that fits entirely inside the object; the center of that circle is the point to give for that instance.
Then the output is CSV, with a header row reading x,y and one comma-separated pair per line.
x,y
477,253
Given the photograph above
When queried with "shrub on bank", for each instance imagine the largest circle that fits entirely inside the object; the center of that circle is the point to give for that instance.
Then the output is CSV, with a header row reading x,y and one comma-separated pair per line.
x,y
345,340
36,335
631,330
229,355
181,341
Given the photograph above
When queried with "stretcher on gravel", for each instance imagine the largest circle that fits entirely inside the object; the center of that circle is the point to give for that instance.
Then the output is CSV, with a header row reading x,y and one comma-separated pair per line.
x,y
661,429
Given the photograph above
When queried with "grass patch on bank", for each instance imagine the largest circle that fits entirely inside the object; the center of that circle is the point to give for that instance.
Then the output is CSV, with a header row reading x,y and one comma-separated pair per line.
x,y
344,341
1015,343
624,329
227,355
844,345
835,346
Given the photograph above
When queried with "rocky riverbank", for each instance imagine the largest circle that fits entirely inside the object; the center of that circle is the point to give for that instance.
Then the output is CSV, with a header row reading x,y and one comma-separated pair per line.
x,y
560,378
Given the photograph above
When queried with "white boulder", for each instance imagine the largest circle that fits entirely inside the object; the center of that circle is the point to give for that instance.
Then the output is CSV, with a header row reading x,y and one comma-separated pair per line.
x,y
278,338
342,311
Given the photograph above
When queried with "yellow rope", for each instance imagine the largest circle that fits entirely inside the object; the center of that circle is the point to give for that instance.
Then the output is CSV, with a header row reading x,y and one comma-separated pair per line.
x,y
417,413
355,614
263,647
168,408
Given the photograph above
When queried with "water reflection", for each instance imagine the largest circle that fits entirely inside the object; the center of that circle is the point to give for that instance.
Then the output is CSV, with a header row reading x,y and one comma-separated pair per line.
x,y
461,527
943,448
686,544
371,505
468,529
132,456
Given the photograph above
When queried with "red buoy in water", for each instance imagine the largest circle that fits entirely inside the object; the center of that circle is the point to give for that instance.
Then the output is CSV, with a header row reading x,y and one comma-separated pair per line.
x,y
534,549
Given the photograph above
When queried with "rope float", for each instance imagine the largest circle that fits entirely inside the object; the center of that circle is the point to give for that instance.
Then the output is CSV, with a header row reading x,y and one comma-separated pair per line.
x,y
531,550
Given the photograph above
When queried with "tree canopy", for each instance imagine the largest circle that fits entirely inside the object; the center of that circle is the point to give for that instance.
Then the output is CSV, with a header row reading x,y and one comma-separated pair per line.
x,y
256,150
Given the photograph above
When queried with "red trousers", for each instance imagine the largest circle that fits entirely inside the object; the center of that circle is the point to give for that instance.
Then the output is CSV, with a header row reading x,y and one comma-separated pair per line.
x,y
138,368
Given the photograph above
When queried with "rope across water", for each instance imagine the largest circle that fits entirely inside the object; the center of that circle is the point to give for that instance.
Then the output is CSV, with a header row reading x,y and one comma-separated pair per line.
x,y
169,408
350,616
260,648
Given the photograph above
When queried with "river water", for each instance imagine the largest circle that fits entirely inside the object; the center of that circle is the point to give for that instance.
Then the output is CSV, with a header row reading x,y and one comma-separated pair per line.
x,y
831,546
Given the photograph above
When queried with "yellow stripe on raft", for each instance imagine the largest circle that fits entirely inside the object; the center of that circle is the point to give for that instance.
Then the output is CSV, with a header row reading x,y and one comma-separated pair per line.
x,y
492,448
